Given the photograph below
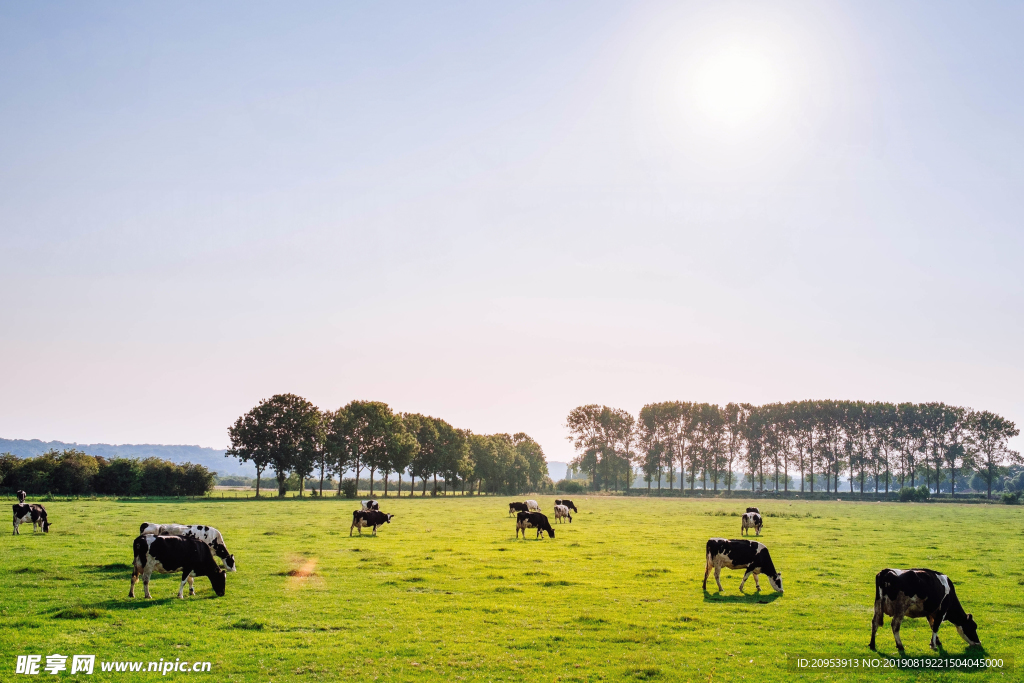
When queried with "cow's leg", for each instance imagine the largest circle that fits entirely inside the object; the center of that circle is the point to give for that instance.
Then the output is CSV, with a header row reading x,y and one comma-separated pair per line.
x,y
191,583
935,621
184,579
15,532
745,577
757,584
707,570
145,586
135,577
374,529
718,578
876,621
896,621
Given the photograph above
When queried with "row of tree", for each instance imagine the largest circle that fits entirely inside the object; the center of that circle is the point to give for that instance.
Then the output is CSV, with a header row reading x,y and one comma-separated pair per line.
x,y
73,472
885,444
287,434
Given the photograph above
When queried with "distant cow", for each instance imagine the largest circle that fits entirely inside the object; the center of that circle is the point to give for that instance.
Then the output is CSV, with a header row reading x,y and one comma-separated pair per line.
x,y
371,505
168,554
25,513
567,503
917,593
21,496
206,534
517,507
532,505
533,520
751,520
753,510
740,554
374,518
562,512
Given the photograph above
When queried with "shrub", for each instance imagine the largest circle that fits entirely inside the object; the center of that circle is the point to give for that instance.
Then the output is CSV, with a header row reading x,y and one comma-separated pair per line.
x,y
349,488
119,477
922,493
569,486
1011,498
908,495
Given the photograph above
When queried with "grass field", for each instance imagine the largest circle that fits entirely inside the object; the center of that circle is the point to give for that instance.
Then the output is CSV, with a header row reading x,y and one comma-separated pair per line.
x,y
447,592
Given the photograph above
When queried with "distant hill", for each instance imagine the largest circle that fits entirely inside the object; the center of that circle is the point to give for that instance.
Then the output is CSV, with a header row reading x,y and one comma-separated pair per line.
x,y
211,458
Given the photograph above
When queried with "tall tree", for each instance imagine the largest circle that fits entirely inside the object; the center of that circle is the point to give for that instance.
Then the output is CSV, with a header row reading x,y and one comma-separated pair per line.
x,y
269,435
989,434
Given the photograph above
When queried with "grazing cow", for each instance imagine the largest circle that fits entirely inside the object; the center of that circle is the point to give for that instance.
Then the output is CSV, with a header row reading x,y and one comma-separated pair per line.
x,y
567,503
374,518
751,520
917,593
371,505
25,512
517,507
206,534
168,554
532,506
753,510
562,512
740,554
21,496
533,520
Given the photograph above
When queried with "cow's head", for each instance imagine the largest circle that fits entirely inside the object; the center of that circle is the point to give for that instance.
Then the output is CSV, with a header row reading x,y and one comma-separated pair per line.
x,y
218,582
969,631
389,518
776,581
46,527
551,532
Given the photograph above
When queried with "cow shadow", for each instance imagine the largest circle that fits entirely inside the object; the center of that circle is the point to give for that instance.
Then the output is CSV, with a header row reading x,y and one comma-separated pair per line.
x,y
743,598
139,603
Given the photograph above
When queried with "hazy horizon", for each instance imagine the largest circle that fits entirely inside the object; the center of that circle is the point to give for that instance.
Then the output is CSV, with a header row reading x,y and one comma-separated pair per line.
x,y
493,214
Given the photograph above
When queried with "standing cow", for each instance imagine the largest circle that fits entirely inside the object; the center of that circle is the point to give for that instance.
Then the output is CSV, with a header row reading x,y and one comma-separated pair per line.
x,y
750,520
374,518
370,504
567,503
740,554
206,534
25,512
169,554
915,593
533,520
517,507
533,506
562,512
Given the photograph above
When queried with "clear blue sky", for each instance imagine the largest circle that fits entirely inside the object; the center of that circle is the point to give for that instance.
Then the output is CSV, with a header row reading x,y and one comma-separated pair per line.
x,y
494,212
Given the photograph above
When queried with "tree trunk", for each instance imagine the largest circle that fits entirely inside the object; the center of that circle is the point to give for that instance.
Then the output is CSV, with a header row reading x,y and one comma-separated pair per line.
x,y
424,480
386,477
258,474
373,470
321,482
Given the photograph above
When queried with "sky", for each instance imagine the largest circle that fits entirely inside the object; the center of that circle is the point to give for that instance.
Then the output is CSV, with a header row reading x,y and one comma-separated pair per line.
x,y
495,212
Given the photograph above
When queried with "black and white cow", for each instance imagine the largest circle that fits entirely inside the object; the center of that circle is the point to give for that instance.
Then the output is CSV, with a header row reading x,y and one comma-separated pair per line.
x,y
533,506
751,520
533,520
740,554
371,505
25,513
562,512
206,534
169,554
21,496
753,510
567,503
915,593
517,507
374,518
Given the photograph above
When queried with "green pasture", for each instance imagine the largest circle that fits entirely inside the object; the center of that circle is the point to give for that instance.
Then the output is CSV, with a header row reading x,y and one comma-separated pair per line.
x,y
446,592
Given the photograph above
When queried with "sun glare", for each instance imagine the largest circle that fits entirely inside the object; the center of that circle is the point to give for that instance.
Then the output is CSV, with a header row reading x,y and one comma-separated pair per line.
x,y
734,87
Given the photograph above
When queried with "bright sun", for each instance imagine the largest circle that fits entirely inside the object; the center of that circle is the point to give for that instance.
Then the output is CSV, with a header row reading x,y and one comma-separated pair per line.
x,y
734,86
